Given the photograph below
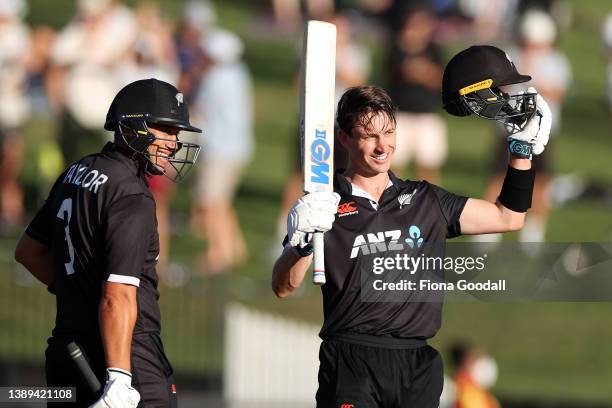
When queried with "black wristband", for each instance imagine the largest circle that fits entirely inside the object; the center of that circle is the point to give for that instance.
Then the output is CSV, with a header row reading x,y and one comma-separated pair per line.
x,y
517,189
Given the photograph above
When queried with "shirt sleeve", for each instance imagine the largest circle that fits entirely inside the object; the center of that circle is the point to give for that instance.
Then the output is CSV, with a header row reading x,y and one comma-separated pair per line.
x,y
39,228
451,206
129,224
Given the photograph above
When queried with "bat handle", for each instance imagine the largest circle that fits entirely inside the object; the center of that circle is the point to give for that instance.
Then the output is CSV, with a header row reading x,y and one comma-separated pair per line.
x,y
318,270
83,366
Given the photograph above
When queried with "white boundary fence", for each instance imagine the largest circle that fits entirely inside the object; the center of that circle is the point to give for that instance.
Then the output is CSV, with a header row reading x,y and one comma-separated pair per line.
x,y
269,359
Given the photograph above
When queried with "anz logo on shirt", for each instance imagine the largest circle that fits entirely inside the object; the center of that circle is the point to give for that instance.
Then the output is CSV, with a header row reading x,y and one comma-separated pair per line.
x,y
375,243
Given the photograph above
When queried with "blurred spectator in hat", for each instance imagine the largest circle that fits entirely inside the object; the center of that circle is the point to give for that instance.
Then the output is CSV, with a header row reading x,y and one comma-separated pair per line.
x,y
153,53
475,374
224,103
83,81
289,13
491,19
353,61
415,78
539,55
199,17
551,75
43,38
560,11
15,41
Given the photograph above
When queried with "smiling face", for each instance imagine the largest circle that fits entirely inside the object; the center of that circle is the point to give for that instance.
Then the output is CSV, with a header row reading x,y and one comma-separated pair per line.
x,y
371,144
165,145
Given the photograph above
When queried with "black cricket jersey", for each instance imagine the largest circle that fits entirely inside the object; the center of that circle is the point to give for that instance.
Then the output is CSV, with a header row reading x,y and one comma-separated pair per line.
x,y
100,225
409,212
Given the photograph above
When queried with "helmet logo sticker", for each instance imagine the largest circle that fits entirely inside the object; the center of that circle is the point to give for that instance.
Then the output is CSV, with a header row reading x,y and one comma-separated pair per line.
x,y
179,99
487,83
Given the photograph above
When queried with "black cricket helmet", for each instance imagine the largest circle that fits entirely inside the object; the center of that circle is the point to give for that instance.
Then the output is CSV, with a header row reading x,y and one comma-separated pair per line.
x,y
471,85
151,101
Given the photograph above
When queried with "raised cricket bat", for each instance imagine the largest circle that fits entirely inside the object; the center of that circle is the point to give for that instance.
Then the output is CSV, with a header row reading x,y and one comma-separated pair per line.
x,y
317,89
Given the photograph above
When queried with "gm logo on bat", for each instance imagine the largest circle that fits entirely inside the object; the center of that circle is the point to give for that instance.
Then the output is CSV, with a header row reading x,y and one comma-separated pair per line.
x,y
319,158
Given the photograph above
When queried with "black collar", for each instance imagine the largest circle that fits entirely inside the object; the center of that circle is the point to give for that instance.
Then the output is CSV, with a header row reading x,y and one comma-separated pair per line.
x,y
115,152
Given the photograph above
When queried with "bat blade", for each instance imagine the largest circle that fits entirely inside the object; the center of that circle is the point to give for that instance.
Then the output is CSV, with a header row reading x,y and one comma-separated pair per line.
x,y
317,95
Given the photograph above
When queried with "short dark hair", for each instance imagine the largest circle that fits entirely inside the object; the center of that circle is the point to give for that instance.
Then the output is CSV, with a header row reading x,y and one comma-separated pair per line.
x,y
357,102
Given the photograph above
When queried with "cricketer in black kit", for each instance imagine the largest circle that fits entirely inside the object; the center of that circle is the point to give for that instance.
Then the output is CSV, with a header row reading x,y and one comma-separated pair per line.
x,y
94,243
375,354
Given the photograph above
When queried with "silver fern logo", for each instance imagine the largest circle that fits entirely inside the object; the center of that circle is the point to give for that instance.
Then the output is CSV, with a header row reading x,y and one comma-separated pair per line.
x,y
179,99
405,199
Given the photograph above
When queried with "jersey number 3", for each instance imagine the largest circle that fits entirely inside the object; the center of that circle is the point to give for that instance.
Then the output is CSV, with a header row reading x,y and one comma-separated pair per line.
x,y
65,213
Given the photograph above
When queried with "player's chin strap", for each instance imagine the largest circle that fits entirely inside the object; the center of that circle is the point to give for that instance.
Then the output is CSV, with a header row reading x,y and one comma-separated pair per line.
x,y
136,142
153,169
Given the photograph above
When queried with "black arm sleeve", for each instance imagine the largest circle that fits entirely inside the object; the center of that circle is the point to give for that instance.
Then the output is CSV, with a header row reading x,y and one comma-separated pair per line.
x,y
517,189
129,224
39,228
451,206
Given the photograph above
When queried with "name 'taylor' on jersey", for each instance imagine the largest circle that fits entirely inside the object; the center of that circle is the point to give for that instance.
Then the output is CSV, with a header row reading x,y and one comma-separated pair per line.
x,y
79,176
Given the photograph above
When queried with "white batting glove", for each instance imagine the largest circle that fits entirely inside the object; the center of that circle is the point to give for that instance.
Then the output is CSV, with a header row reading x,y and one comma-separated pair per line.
x,y
118,391
537,130
315,212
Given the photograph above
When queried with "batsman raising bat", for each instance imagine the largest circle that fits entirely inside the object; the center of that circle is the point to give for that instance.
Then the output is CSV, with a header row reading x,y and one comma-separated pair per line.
x,y
375,354
317,91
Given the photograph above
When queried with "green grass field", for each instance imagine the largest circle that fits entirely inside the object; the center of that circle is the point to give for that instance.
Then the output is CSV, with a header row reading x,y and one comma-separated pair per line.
x,y
558,351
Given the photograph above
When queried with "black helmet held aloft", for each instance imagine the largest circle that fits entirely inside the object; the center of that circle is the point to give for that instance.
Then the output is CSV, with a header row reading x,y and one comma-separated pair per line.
x,y
475,65
150,100
471,82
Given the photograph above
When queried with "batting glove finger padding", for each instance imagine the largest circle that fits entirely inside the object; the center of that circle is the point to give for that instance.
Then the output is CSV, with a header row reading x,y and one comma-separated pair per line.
x,y
536,133
322,221
327,202
543,135
315,212
118,391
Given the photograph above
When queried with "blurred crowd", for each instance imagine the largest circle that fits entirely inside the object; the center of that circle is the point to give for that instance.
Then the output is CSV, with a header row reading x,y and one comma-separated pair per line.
x,y
70,74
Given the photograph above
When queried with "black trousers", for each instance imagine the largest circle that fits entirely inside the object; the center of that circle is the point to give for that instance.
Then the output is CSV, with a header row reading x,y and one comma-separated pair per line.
x,y
151,370
366,376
